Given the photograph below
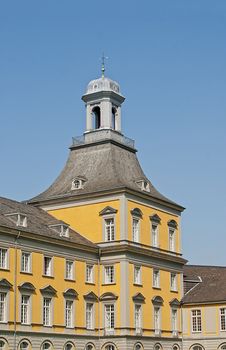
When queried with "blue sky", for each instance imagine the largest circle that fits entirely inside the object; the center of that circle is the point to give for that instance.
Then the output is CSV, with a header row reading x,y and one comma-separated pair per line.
x,y
170,60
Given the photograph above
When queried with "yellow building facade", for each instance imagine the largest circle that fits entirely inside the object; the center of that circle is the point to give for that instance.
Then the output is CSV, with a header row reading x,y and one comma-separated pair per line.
x,y
103,248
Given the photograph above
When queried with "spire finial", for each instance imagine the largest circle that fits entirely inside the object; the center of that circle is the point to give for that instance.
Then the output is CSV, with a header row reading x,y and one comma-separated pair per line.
x,y
103,58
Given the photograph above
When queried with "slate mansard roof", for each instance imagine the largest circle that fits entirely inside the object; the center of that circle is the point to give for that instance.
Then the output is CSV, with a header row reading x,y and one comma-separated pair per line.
x,y
107,164
38,222
204,284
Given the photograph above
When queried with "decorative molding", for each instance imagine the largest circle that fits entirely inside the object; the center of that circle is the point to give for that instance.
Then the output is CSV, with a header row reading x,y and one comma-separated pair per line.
x,y
107,211
137,212
174,302
108,296
172,223
91,296
5,284
27,287
48,290
155,218
138,297
70,293
157,300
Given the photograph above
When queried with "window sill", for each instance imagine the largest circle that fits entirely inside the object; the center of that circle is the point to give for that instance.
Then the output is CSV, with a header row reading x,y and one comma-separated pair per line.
x,y
155,287
138,284
26,272
90,283
69,279
48,276
47,326
194,332
4,268
173,291
108,284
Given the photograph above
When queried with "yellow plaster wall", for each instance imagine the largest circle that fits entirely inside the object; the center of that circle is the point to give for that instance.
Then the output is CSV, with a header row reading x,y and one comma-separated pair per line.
x,y
145,225
86,219
149,292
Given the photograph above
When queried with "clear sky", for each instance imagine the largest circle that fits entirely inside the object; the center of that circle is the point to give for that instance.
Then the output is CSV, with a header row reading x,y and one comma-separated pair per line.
x,y
170,60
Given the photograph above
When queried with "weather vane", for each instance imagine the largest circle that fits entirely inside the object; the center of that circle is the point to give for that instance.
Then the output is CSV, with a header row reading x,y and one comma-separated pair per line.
x,y
103,58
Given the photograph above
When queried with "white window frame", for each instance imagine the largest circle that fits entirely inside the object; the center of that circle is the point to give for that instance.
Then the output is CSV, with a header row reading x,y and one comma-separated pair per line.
x,y
156,278
48,308
154,234
136,229
137,274
69,276
25,262
157,319
109,318
138,318
89,273
89,315
196,321
25,309
109,274
109,228
174,321
172,239
69,313
3,306
4,259
173,282
222,319
48,272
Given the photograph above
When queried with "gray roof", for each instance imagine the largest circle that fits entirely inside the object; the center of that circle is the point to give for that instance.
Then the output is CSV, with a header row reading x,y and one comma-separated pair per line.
x,y
204,284
106,165
38,222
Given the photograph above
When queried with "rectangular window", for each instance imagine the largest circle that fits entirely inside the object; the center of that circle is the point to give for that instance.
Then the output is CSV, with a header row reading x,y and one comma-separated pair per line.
x,y
69,275
156,278
2,307
109,229
173,282
154,232
171,239
138,318
3,258
89,316
109,274
25,262
136,229
47,266
47,312
174,320
223,319
109,317
196,321
25,309
69,313
89,274
157,320
137,275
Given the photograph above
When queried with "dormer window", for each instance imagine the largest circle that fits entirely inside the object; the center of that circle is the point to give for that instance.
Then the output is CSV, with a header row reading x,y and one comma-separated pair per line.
x,y
143,185
18,219
62,229
77,184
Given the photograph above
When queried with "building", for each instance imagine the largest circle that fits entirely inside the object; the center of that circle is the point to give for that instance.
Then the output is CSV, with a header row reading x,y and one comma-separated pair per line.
x,y
115,285
204,308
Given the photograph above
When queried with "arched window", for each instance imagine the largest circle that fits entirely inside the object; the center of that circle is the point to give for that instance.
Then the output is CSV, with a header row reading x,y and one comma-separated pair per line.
x,y
113,118
46,346
176,347
223,347
69,346
197,347
89,347
110,347
138,346
24,345
3,344
157,347
96,117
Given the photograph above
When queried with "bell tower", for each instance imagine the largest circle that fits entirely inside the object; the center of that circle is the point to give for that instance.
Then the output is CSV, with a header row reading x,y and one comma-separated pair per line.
x,y
103,104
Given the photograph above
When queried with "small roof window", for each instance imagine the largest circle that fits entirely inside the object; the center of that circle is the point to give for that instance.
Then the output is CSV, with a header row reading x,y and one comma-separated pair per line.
x,y
18,219
62,229
78,183
143,185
